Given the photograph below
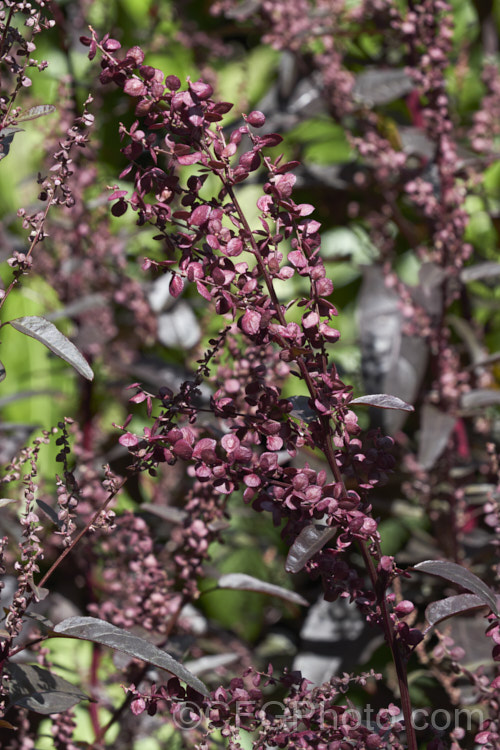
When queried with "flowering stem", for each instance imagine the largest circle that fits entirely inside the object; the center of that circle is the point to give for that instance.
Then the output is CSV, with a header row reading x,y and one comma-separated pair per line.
x,y
329,452
406,706
82,533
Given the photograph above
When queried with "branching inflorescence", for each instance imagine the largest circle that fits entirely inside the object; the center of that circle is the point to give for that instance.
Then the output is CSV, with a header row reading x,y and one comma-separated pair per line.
x,y
208,242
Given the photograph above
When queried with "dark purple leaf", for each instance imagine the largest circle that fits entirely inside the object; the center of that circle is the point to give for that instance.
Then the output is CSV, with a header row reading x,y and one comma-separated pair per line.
x,y
270,140
44,331
6,137
435,430
41,691
201,89
243,582
301,409
383,401
462,577
43,624
310,540
452,605
99,631
119,208
49,512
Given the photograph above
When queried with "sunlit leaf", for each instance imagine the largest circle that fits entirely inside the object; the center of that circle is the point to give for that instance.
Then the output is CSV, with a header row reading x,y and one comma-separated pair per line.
x,y
310,540
244,582
383,401
99,631
40,110
452,605
44,331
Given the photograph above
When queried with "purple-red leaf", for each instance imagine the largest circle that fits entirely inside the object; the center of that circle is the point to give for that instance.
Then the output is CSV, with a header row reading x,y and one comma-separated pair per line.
x,y
383,401
250,322
200,215
129,440
202,289
188,159
134,87
256,119
243,582
182,449
176,285
462,577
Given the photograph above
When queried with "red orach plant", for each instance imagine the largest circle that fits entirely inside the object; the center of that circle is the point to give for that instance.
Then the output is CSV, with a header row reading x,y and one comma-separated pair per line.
x,y
247,437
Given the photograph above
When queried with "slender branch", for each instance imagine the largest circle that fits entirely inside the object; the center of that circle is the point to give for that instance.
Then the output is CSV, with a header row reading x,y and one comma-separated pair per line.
x,y
82,533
